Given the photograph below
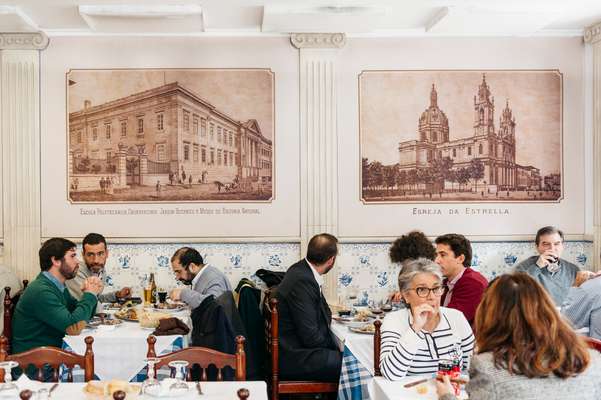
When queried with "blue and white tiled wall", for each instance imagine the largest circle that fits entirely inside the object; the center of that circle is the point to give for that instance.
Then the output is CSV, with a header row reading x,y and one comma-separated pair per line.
x,y
129,264
366,268
362,267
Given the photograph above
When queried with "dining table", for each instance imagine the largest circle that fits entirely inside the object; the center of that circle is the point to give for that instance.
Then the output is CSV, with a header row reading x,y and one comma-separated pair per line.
x,y
210,391
404,389
357,370
120,351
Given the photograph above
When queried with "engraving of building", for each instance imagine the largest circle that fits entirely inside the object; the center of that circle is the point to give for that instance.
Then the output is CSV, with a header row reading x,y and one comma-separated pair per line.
x,y
495,148
167,134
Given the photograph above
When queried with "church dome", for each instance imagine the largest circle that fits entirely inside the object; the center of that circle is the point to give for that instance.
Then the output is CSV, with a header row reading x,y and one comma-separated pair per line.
x,y
433,115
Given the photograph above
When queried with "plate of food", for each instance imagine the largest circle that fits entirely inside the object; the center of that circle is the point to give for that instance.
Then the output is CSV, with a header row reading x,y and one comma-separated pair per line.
x,y
367,329
342,319
127,314
169,306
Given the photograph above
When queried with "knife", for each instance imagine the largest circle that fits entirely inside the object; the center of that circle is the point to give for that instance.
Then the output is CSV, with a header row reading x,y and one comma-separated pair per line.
x,y
415,383
52,389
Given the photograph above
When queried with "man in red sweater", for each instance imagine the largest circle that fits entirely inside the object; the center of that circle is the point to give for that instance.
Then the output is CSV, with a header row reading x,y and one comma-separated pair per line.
x,y
463,286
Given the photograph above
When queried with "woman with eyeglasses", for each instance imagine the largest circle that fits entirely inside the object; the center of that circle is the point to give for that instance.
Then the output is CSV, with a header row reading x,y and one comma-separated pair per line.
x,y
525,349
414,339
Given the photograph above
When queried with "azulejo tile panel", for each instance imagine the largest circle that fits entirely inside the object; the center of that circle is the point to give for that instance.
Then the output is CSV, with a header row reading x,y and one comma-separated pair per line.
x,y
130,264
365,269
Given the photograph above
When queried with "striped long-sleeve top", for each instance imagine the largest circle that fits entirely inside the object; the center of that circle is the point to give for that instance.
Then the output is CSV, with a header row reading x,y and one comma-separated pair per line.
x,y
405,352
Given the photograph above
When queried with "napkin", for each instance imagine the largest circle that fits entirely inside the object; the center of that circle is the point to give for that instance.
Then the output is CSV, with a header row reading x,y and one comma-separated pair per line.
x,y
171,326
25,383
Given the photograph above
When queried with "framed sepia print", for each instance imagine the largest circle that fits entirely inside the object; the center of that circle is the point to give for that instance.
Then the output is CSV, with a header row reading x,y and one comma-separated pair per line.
x,y
170,135
461,136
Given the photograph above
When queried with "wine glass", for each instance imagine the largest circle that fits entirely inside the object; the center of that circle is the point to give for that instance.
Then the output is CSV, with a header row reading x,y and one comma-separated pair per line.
x,y
180,369
151,384
351,297
8,387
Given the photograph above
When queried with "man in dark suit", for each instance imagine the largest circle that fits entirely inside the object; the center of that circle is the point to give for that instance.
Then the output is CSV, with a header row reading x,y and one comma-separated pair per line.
x,y
308,350
464,287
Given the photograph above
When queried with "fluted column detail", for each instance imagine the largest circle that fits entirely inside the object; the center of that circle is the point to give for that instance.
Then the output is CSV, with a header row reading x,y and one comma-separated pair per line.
x,y
20,130
592,35
319,143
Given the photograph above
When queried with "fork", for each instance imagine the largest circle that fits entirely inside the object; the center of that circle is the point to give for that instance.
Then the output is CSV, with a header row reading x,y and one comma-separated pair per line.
x,y
198,389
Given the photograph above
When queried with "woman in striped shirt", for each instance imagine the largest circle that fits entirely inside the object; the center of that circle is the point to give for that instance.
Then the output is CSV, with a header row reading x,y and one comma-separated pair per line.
x,y
415,338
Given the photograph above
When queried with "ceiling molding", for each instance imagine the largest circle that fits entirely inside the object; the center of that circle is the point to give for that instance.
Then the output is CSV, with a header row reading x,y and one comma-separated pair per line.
x,y
149,18
23,41
318,40
330,19
592,34
13,19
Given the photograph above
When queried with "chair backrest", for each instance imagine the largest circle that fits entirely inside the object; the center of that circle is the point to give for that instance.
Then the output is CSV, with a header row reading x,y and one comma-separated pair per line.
x,y
377,343
593,343
9,308
8,317
203,357
54,357
275,385
270,313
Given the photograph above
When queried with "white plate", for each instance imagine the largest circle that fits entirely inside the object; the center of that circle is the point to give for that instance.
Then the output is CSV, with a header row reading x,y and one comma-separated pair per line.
x,y
147,328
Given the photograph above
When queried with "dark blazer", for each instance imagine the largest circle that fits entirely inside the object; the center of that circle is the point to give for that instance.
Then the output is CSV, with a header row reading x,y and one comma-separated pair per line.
x,y
308,350
467,293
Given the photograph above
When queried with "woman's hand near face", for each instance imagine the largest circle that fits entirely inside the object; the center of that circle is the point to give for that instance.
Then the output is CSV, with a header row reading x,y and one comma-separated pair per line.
x,y
421,314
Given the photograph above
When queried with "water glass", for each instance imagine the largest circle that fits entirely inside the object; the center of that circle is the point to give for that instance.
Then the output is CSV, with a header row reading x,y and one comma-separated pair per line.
x,y
151,385
8,387
180,373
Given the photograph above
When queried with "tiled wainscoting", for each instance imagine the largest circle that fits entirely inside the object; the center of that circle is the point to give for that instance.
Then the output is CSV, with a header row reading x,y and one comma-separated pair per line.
x,y
363,267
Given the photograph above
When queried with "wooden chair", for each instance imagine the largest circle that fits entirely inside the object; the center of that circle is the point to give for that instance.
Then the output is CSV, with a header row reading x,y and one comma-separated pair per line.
x,y
593,343
377,343
276,386
9,308
204,357
52,356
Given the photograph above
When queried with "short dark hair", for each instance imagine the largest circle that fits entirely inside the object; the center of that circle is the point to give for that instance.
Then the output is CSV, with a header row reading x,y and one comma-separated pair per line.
x,y
92,239
55,247
321,248
459,244
186,256
547,230
412,246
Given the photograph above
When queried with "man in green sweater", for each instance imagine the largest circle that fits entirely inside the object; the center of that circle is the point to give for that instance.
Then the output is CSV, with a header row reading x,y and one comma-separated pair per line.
x,y
46,308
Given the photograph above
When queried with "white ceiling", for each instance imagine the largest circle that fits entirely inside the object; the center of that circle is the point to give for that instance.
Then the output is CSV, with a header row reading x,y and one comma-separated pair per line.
x,y
275,17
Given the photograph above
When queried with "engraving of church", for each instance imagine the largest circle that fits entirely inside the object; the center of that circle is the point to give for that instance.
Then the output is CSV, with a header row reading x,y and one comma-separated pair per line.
x,y
461,148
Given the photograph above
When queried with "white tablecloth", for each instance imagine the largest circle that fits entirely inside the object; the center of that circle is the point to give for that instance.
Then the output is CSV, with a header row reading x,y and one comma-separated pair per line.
x,y
120,353
211,391
384,389
361,345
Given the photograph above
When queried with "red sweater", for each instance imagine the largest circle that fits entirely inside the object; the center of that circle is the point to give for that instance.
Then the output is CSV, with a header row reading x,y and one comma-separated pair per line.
x,y
467,293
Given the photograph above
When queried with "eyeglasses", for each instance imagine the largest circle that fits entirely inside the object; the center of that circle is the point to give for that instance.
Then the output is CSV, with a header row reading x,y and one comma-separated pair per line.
x,y
425,292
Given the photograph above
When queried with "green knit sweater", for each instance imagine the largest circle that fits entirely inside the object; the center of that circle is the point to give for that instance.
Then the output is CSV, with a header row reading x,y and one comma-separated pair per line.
x,y
43,314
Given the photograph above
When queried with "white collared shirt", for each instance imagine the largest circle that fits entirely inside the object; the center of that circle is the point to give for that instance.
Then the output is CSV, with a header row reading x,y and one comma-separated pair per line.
x,y
451,285
197,277
316,275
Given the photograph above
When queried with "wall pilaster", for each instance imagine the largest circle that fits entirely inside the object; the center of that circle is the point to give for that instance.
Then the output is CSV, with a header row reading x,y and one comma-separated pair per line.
x,y
318,139
20,132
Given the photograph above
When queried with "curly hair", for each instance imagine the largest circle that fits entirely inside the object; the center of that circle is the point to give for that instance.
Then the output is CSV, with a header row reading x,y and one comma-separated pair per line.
x,y
412,246
517,322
